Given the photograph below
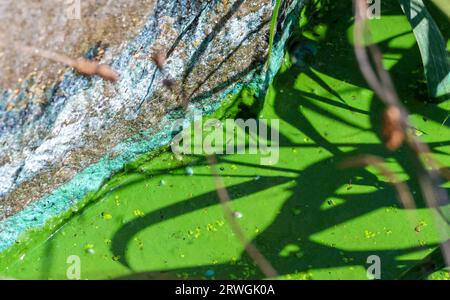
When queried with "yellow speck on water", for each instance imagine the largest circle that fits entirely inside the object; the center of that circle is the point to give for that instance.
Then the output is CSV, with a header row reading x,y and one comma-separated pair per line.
x,y
138,213
368,234
305,276
196,233
391,208
140,243
116,257
106,216
233,167
211,227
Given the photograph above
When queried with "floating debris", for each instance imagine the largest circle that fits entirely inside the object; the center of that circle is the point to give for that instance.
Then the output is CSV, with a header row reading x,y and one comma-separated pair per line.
x,y
162,182
237,215
420,227
349,186
296,211
288,250
210,273
116,258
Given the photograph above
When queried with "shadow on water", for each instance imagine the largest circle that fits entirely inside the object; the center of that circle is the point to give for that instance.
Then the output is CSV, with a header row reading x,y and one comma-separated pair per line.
x,y
316,182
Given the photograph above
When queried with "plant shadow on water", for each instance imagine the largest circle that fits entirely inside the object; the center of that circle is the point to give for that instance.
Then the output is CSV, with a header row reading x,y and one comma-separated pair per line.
x,y
321,179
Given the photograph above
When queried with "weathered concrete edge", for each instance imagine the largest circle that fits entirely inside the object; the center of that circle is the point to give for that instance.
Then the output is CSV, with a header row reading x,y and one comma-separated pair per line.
x,y
37,214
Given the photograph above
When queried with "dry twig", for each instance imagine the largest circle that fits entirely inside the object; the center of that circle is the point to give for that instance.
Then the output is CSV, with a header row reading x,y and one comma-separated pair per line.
x,y
81,65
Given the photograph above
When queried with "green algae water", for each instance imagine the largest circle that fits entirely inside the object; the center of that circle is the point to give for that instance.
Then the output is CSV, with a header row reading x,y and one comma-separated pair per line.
x,y
161,218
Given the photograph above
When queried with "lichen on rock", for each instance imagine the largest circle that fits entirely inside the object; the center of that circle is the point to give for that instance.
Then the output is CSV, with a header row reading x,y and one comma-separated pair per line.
x,y
59,140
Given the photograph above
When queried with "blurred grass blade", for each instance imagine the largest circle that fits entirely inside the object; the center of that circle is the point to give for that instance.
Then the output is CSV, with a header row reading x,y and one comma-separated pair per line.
x,y
432,48
273,28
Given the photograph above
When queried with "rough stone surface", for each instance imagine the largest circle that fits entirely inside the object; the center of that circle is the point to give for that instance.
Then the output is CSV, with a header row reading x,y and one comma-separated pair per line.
x,y
63,134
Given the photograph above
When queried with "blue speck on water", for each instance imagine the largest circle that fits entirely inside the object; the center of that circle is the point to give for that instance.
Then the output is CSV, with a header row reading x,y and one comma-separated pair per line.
x,y
210,273
189,171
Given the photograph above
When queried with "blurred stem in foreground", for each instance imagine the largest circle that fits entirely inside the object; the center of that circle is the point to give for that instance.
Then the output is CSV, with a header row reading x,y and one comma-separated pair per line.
x,y
264,265
396,121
